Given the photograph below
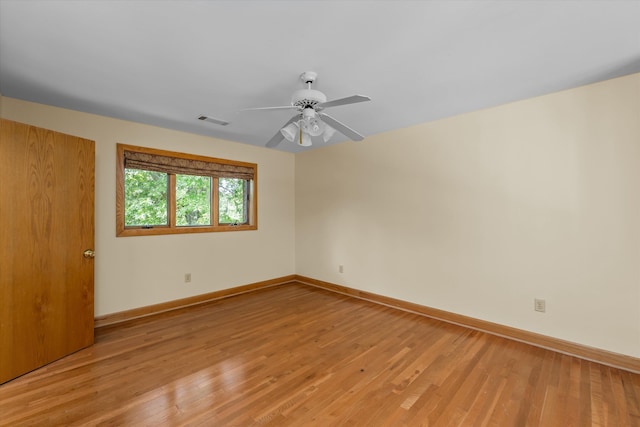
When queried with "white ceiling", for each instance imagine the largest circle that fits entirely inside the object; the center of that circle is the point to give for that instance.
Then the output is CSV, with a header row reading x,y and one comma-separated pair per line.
x,y
167,62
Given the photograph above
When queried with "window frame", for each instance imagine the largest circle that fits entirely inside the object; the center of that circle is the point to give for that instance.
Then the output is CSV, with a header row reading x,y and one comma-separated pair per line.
x,y
125,231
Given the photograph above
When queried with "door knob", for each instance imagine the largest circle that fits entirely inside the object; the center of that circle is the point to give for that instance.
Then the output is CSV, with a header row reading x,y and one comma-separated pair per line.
x,y
89,253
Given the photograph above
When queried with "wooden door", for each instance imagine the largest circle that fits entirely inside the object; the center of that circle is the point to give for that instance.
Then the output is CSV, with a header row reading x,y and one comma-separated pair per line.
x,y
46,223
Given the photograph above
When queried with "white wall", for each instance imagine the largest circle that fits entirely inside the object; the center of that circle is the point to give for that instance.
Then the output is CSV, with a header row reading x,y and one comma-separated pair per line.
x,y
132,272
481,213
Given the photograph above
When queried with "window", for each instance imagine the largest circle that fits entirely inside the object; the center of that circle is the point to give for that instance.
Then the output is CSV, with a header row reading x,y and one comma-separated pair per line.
x,y
164,192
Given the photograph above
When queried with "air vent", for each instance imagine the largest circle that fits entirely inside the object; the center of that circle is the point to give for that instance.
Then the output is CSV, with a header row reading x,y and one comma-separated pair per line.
x,y
213,120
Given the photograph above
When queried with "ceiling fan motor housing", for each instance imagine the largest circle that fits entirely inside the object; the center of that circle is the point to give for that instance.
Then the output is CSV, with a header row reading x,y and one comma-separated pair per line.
x,y
307,98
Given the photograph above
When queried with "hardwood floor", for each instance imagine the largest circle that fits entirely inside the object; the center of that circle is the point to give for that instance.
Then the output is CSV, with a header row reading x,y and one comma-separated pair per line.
x,y
295,355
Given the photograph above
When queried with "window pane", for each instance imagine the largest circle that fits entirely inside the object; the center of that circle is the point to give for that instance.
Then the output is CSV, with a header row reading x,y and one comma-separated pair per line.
x,y
193,200
232,197
145,198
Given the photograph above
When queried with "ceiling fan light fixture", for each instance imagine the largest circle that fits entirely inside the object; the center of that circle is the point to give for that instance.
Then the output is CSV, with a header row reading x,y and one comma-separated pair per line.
x,y
290,131
310,123
305,141
313,127
328,133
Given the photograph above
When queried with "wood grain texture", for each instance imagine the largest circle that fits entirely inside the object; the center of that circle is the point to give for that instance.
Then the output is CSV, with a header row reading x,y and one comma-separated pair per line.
x,y
46,222
297,355
573,349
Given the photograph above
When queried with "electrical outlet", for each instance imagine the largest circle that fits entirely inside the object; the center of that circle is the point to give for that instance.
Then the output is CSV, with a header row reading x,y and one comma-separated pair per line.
x,y
187,278
539,305
340,269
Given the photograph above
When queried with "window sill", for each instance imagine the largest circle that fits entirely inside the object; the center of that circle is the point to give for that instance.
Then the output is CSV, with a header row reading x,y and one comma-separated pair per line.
x,y
156,231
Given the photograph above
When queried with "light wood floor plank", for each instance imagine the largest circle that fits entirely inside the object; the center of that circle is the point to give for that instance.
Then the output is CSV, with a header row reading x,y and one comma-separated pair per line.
x,y
295,355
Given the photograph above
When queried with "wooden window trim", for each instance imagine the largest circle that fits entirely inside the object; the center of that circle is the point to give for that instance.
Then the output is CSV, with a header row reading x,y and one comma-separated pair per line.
x,y
172,228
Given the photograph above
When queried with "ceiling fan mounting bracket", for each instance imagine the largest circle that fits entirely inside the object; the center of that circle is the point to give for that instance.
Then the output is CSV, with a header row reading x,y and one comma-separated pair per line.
x,y
308,77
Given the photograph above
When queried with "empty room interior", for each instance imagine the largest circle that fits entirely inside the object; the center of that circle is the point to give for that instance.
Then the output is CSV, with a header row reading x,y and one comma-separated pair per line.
x,y
327,213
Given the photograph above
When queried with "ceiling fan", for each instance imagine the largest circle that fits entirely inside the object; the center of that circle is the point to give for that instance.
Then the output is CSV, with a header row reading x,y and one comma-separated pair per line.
x,y
309,120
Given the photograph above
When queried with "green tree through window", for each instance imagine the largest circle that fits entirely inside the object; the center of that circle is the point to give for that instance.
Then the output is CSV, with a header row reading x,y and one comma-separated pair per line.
x,y
145,196
193,200
232,201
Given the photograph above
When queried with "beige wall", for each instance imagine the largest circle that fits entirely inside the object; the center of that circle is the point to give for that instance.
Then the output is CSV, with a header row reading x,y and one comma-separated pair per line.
x,y
481,213
138,271
477,214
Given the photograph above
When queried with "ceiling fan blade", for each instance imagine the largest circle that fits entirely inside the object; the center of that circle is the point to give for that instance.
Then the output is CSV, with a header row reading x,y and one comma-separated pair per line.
x,y
344,101
278,137
283,107
213,120
341,127
275,140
